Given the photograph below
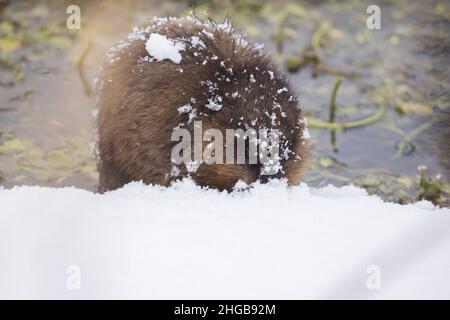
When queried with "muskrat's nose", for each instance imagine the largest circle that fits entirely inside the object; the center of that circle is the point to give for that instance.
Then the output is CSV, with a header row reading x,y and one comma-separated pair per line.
x,y
225,176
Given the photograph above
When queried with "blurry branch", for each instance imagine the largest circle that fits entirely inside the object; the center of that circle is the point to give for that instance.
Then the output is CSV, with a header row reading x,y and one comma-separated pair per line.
x,y
321,31
335,176
333,105
331,125
408,137
418,130
317,123
313,55
280,35
323,68
86,84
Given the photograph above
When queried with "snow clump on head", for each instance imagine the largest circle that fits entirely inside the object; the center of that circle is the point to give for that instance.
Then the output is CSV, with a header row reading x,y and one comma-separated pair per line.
x,y
159,47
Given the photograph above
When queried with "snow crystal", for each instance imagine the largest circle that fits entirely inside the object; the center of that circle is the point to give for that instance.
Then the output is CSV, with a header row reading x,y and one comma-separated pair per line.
x,y
208,34
282,90
272,117
160,48
192,166
306,134
184,109
258,46
138,34
240,185
94,113
214,103
196,42
174,171
192,115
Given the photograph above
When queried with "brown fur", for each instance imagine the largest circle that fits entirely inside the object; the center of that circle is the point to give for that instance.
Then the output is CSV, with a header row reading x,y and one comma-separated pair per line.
x,y
139,102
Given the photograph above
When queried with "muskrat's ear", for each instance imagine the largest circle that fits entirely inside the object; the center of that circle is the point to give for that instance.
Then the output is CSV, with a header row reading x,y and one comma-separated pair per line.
x,y
211,20
227,20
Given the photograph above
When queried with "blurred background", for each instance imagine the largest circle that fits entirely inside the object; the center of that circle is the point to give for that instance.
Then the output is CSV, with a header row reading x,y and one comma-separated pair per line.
x,y
390,88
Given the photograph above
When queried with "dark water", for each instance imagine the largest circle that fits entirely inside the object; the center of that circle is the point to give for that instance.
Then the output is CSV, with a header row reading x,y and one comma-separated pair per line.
x,y
46,115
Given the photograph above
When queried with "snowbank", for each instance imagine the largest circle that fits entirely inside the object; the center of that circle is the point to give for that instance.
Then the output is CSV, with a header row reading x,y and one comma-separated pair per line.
x,y
182,242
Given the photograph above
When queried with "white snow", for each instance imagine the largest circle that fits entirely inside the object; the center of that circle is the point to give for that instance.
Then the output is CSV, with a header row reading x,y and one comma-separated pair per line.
x,y
271,242
306,134
209,34
214,103
240,185
196,42
185,108
284,89
159,47
192,166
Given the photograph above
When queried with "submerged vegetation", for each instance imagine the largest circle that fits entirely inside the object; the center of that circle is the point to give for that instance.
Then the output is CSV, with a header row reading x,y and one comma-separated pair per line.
x,y
366,92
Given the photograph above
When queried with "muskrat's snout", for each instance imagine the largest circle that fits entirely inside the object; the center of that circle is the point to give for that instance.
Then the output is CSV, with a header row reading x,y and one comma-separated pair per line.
x,y
225,177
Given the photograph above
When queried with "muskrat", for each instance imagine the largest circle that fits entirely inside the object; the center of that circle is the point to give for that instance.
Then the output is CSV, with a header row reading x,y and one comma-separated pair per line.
x,y
212,75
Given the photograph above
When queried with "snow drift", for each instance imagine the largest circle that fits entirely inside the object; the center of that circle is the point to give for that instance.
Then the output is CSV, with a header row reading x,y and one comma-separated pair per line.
x,y
271,242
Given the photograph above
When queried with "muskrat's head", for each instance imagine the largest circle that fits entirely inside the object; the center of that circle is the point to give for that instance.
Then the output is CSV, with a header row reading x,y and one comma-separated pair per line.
x,y
251,125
